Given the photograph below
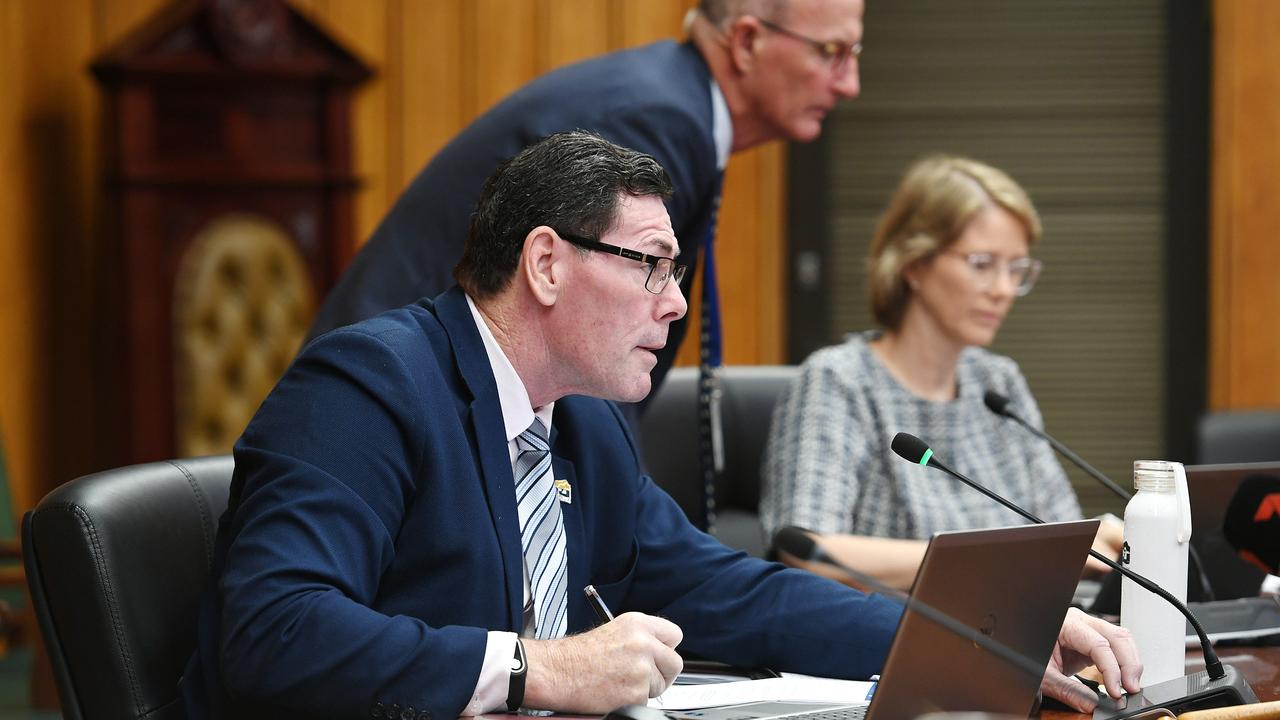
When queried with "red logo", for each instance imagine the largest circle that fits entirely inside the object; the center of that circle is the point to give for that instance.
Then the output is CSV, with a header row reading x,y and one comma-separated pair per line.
x,y
1268,508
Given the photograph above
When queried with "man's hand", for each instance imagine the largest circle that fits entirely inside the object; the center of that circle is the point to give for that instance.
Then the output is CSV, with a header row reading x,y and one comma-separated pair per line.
x,y
624,662
1084,641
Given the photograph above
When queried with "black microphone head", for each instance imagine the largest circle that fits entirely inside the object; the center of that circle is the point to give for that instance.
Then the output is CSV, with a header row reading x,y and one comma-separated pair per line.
x,y
911,448
1252,521
995,402
795,542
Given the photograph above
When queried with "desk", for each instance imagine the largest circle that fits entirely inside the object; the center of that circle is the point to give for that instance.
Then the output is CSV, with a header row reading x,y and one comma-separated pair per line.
x,y
1260,665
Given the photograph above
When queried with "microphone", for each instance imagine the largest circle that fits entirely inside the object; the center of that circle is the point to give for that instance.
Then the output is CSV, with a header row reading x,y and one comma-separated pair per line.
x,y
796,542
999,404
1223,687
1252,521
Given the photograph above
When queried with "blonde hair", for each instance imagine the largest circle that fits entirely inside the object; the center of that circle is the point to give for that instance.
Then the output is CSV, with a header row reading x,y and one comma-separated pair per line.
x,y
935,201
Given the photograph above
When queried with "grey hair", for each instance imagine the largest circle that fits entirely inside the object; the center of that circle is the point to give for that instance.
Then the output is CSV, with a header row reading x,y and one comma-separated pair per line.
x,y
723,12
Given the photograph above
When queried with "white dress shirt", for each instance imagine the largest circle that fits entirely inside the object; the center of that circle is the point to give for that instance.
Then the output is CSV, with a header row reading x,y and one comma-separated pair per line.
x,y
517,415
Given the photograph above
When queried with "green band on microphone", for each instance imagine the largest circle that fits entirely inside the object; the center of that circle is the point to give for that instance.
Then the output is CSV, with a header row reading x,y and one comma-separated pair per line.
x,y
924,459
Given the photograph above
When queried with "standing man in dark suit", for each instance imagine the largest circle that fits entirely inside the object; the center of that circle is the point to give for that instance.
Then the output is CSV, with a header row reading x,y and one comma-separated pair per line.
x,y
751,71
419,503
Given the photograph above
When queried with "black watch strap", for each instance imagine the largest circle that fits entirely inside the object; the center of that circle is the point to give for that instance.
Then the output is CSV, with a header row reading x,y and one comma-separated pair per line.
x,y
519,670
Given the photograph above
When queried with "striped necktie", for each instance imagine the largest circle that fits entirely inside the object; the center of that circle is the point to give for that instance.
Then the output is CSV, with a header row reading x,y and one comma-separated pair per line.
x,y
541,532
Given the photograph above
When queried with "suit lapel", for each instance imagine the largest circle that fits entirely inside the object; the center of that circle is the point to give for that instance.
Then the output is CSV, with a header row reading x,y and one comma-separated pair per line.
x,y
491,444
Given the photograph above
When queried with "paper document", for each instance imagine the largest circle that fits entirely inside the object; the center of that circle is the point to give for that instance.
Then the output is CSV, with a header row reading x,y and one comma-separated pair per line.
x,y
803,688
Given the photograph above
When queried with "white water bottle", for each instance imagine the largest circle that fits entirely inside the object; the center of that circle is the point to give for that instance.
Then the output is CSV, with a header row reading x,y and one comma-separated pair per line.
x,y
1157,531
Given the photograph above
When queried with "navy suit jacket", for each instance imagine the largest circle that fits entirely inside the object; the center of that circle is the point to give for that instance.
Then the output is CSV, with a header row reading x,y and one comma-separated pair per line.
x,y
372,540
655,99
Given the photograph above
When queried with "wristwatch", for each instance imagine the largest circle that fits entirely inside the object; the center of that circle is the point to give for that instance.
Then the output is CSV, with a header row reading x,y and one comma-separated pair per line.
x,y
519,669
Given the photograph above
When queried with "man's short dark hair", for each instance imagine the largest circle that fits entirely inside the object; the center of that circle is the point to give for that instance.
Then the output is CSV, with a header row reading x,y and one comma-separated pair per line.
x,y
570,181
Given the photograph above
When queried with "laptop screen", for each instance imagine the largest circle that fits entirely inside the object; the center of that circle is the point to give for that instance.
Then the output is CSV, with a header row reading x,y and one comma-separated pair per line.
x,y
1012,584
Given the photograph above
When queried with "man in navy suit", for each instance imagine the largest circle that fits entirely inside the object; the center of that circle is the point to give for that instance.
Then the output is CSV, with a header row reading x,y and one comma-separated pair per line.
x,y
400,543
751,71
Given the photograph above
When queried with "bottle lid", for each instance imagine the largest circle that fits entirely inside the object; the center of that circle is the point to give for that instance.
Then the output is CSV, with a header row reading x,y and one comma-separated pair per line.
x,y
1153,475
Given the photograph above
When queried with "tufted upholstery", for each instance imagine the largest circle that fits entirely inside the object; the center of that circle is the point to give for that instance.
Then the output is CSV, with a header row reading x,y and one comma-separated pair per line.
x,y
669,435
242,304
116,563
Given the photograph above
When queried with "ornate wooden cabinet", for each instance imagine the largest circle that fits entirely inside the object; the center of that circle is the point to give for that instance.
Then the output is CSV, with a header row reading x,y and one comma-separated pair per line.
x,y
230,200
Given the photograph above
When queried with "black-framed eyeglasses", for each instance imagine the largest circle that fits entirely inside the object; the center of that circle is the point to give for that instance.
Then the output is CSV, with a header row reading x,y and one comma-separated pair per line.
x,y
986,268
835,52
661,269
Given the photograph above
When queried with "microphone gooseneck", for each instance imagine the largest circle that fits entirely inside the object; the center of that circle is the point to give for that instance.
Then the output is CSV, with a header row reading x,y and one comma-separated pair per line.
x,y
910,447
999,404
913,449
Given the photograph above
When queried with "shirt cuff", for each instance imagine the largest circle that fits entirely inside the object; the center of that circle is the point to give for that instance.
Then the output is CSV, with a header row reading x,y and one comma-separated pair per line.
x,y
495,675
1270,586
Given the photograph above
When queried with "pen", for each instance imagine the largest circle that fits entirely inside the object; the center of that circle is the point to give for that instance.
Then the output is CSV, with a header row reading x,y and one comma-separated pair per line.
x,y
597,603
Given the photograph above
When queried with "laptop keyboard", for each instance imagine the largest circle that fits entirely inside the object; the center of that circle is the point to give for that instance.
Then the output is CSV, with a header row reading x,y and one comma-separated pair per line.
x,y
857,712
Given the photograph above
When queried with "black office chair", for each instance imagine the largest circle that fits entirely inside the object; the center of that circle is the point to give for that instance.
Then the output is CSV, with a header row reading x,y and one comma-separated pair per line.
x,y
669,438
1237,436
116,563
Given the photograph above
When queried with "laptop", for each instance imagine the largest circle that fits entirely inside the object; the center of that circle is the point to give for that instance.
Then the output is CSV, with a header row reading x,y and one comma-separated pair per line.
x,y
1210,488
1013,583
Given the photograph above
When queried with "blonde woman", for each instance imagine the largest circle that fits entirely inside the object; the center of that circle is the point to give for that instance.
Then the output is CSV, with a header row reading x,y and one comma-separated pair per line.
x,y
949,258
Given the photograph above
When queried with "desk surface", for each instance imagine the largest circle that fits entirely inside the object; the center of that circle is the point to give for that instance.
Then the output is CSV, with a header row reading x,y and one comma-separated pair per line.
x,y
1260,665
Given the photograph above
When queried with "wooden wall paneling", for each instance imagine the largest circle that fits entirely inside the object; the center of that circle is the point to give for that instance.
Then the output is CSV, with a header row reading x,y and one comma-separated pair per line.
x,y
571,30
1221,191
737,237
1257,252
770,298
115,18
431,80
19,320
642,21
365,28
1246,216
49,399
504,51
748,256
58,169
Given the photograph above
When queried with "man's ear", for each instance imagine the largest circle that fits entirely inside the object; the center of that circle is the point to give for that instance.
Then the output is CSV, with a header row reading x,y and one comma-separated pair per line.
x,y
542,264
743,39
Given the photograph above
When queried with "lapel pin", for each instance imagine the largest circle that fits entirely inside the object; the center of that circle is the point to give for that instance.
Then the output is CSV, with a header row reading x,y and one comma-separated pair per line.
x,y
564,491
